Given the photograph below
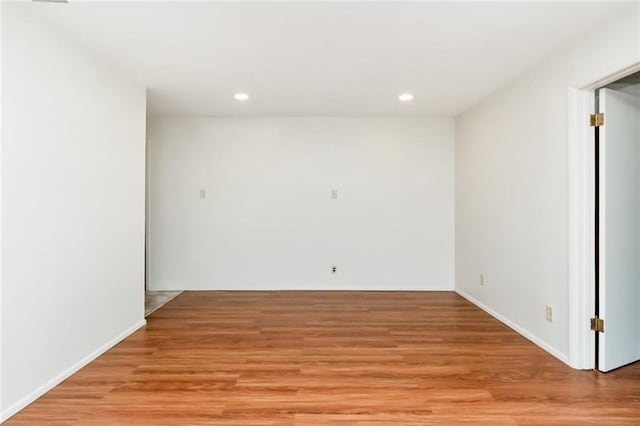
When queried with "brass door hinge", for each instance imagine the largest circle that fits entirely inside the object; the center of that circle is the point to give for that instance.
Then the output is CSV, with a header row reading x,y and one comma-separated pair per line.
x,y
597,324
597,120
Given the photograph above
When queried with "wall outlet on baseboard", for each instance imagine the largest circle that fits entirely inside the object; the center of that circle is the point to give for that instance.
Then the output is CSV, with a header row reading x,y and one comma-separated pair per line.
x,y
549,313
481,279
334,269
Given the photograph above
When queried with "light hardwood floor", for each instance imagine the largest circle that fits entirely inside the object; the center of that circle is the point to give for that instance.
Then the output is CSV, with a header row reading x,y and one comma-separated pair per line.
x,y
332,358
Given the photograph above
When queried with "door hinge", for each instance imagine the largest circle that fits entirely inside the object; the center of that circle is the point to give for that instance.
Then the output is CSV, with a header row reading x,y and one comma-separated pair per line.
x,y
597,120
597,324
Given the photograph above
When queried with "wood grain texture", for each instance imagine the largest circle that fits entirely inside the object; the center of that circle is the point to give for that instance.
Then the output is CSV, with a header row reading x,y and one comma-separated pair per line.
x,y
332,358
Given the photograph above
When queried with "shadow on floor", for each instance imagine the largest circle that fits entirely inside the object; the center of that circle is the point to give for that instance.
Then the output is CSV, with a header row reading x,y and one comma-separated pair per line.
x,y
155,299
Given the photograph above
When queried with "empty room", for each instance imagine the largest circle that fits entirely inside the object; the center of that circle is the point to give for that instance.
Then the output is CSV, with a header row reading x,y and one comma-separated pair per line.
x,y
319,213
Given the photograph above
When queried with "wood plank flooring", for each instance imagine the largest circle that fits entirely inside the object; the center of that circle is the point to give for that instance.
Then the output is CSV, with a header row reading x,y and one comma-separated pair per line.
x,y
332,358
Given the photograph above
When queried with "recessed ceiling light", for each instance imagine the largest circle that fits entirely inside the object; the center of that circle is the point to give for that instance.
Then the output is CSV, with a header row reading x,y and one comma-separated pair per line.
x,y
241,97
405,97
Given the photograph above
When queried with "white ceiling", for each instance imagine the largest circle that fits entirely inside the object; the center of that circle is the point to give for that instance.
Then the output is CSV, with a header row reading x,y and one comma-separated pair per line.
x,y
324,58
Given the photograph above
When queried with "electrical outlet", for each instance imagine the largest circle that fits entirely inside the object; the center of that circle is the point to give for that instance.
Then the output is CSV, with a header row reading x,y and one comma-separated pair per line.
x,y
203,194
334,194
549,314
334,269
481,279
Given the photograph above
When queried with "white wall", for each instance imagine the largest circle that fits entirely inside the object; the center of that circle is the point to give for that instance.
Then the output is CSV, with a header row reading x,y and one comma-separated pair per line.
x,y
268,220
512,186
73,141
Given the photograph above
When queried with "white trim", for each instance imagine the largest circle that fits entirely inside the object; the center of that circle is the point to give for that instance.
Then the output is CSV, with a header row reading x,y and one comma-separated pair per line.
x,y
581,225
28,399
321,288
553,351
611,78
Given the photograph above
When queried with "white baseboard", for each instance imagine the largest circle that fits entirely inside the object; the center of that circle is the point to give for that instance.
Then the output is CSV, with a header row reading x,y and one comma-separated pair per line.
x,y
29,398
553,351
328,287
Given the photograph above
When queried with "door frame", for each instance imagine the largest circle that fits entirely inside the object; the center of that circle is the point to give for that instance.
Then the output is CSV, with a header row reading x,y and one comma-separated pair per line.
x,y
581,220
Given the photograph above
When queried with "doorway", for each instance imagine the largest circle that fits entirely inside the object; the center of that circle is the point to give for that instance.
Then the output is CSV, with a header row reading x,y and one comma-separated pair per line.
x,y
616,321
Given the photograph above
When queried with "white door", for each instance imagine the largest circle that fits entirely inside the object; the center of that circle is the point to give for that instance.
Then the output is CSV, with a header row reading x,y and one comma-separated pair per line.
x,y
619,229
